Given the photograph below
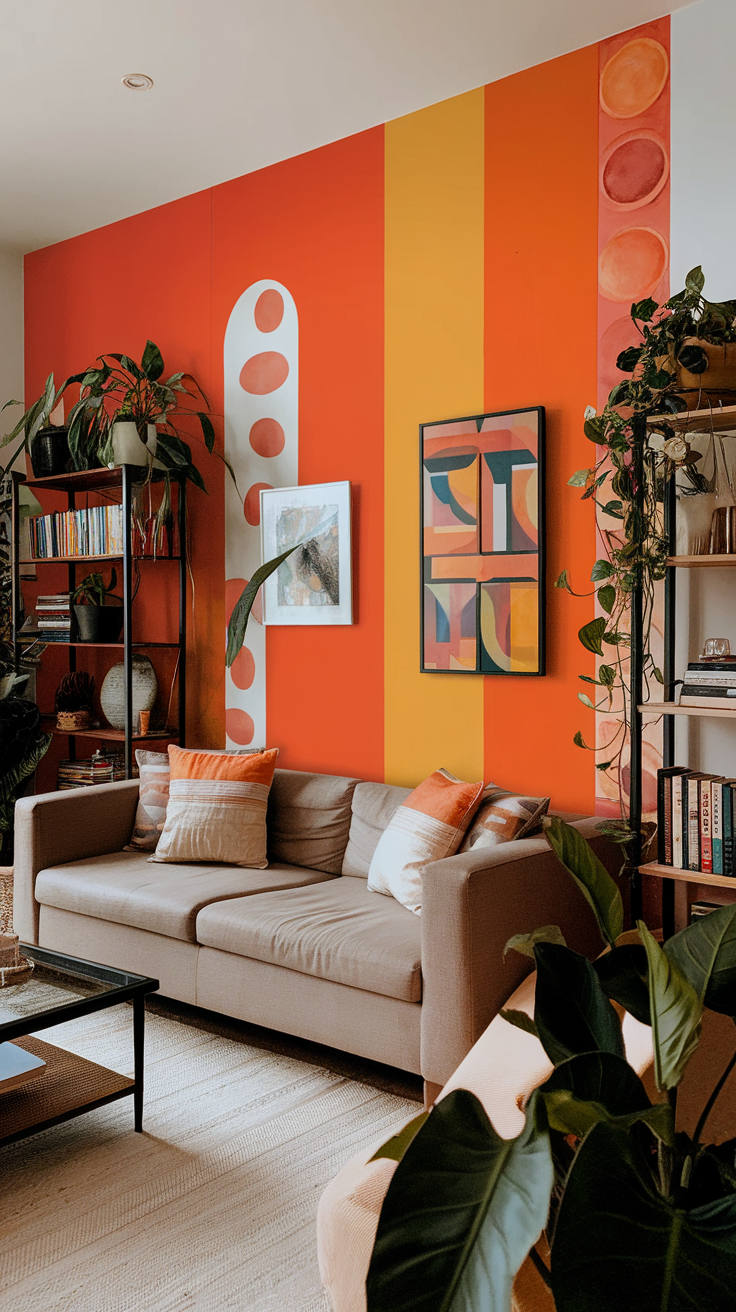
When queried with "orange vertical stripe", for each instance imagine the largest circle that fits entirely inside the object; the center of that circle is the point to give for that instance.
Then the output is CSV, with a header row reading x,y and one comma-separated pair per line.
x,y
540,349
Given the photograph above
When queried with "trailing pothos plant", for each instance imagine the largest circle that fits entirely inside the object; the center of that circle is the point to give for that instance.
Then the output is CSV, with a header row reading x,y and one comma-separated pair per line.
x,y
636,1213
638,449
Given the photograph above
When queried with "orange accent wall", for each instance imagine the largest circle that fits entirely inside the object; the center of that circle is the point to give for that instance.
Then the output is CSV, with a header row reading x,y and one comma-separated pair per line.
x,y
540,349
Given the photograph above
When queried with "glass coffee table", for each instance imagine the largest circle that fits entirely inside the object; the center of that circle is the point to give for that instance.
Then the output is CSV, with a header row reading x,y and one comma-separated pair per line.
x,y
62,988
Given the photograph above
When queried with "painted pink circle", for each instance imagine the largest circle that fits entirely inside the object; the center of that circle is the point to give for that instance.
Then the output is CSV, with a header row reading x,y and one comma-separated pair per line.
x,y
252,505
269,310
243,669
267,438
239,727
634,169
264,373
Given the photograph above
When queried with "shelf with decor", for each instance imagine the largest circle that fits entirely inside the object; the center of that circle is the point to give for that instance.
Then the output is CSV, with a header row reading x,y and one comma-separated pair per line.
x,y
675,880
116,487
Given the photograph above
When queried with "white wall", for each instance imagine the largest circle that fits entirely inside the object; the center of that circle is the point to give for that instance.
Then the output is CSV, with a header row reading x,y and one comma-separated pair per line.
x,y
11,333
703,231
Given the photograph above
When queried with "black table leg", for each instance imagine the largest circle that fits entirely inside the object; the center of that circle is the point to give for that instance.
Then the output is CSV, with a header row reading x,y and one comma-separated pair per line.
x,y
139,1016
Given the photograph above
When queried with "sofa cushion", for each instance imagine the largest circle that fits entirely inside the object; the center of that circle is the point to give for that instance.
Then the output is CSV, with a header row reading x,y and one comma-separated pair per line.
x,y
336,930
373,807
125,888
308,819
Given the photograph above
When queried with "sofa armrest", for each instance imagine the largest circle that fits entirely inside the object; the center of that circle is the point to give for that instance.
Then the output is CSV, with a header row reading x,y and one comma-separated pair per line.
x,y
54,828
471,905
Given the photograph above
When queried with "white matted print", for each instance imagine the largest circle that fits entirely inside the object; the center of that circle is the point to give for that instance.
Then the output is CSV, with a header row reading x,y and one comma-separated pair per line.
x,y
314,584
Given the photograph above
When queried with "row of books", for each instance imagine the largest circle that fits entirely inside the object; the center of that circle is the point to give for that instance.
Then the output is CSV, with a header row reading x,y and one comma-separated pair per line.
x,y
710,684
96,531
102,768
696,815
54,617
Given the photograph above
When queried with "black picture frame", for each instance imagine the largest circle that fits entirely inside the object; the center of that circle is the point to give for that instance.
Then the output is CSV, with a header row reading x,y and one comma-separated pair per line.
x,y
481,664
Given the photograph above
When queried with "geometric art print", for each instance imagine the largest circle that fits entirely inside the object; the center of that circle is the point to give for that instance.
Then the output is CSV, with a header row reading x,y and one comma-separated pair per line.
x,y
482,516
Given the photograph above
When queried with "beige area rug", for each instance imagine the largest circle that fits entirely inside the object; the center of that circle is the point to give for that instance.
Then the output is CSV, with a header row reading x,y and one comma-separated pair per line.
x,y
213,1207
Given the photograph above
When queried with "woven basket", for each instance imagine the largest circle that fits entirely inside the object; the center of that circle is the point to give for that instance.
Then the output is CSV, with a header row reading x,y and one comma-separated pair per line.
x,y
6,899
68,721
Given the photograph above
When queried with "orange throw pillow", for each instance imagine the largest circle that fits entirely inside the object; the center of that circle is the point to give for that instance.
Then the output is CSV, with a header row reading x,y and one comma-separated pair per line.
x,y
217,808
429,825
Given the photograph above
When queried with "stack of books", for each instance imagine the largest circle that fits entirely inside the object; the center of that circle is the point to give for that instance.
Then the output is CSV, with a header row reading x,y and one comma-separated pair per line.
x,y
102,768
97,531
710,684
696,816
54,617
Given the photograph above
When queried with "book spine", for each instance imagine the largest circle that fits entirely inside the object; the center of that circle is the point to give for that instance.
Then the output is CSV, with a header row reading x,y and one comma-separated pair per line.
x,y
717,825
706,838
727,830
693,825
678,783
661,807
668,820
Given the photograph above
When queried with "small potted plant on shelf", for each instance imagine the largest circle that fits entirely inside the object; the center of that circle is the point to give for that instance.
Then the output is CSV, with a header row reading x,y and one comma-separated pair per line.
x,y
46,443
98,610
74,701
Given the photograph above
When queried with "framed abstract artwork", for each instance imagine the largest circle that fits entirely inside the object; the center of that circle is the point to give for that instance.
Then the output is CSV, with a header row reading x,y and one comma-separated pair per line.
x,y
482,522
314,585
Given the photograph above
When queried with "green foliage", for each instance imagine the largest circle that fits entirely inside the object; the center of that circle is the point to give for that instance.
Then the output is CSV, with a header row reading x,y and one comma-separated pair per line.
x,y
705,954
395,1147
462,1211
244,605
93,591
590,875
519,1020
676,1012
526,943
623,975
571,1012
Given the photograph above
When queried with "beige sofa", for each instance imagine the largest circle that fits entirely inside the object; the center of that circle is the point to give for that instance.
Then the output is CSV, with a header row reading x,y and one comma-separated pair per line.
x,y
302,947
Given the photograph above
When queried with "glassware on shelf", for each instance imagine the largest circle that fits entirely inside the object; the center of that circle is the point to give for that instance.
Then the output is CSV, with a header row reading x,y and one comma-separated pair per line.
x,y
716,649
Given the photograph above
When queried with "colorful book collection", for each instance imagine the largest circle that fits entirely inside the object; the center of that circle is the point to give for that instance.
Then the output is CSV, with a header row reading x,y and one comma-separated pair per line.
x,y
710,684
96,531
54,617
696,815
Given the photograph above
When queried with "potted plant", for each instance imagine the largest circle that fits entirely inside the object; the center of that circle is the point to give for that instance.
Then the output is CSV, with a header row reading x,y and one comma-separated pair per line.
x,y
46,443
98,610
74,701
636,1212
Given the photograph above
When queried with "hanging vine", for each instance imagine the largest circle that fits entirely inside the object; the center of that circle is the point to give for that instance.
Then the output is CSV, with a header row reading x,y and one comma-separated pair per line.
x,y
639,450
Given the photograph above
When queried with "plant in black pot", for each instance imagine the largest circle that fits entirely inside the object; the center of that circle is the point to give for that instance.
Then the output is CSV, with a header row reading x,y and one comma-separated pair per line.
x,y
46,443
98,611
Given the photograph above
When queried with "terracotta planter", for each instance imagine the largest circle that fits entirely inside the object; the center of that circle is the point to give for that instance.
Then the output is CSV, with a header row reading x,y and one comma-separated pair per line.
x,y
717,385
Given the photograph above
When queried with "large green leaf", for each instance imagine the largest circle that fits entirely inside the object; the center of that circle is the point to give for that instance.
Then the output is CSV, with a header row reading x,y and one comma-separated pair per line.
x,y
676,1012
571,1012
462,1211
243,606
525,943
599,1086
623,974
705,953
590,875
618,1245
152,362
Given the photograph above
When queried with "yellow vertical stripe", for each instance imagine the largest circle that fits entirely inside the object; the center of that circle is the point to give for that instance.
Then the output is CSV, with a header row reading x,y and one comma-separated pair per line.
x,y
434,370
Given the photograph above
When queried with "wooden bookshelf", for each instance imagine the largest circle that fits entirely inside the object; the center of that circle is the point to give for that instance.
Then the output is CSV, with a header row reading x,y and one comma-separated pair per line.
x,y
107,734
718,419
670,708
688,876
703,562
74,560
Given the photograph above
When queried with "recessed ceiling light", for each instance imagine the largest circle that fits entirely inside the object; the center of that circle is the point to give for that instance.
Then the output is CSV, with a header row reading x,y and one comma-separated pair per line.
x,y
137,81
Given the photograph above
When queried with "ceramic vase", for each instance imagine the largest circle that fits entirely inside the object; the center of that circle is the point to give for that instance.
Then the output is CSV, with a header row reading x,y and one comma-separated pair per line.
x,y
112,693
128,449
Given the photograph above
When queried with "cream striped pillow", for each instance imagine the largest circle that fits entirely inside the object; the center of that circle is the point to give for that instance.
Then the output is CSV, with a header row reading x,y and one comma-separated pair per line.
x,y
217,808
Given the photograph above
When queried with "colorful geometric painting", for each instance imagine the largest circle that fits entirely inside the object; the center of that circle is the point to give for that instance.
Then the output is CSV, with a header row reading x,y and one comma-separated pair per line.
x,y
483,544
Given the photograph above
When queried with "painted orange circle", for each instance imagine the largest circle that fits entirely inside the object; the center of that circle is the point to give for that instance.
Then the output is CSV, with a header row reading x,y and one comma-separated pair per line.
x,y
267,438
634,169
243,669
239,726
269,310
632,264
634,77
252,503
264,373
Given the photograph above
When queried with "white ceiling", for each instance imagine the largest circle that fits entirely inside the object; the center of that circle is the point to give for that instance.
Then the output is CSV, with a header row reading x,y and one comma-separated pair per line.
x,y
239,84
